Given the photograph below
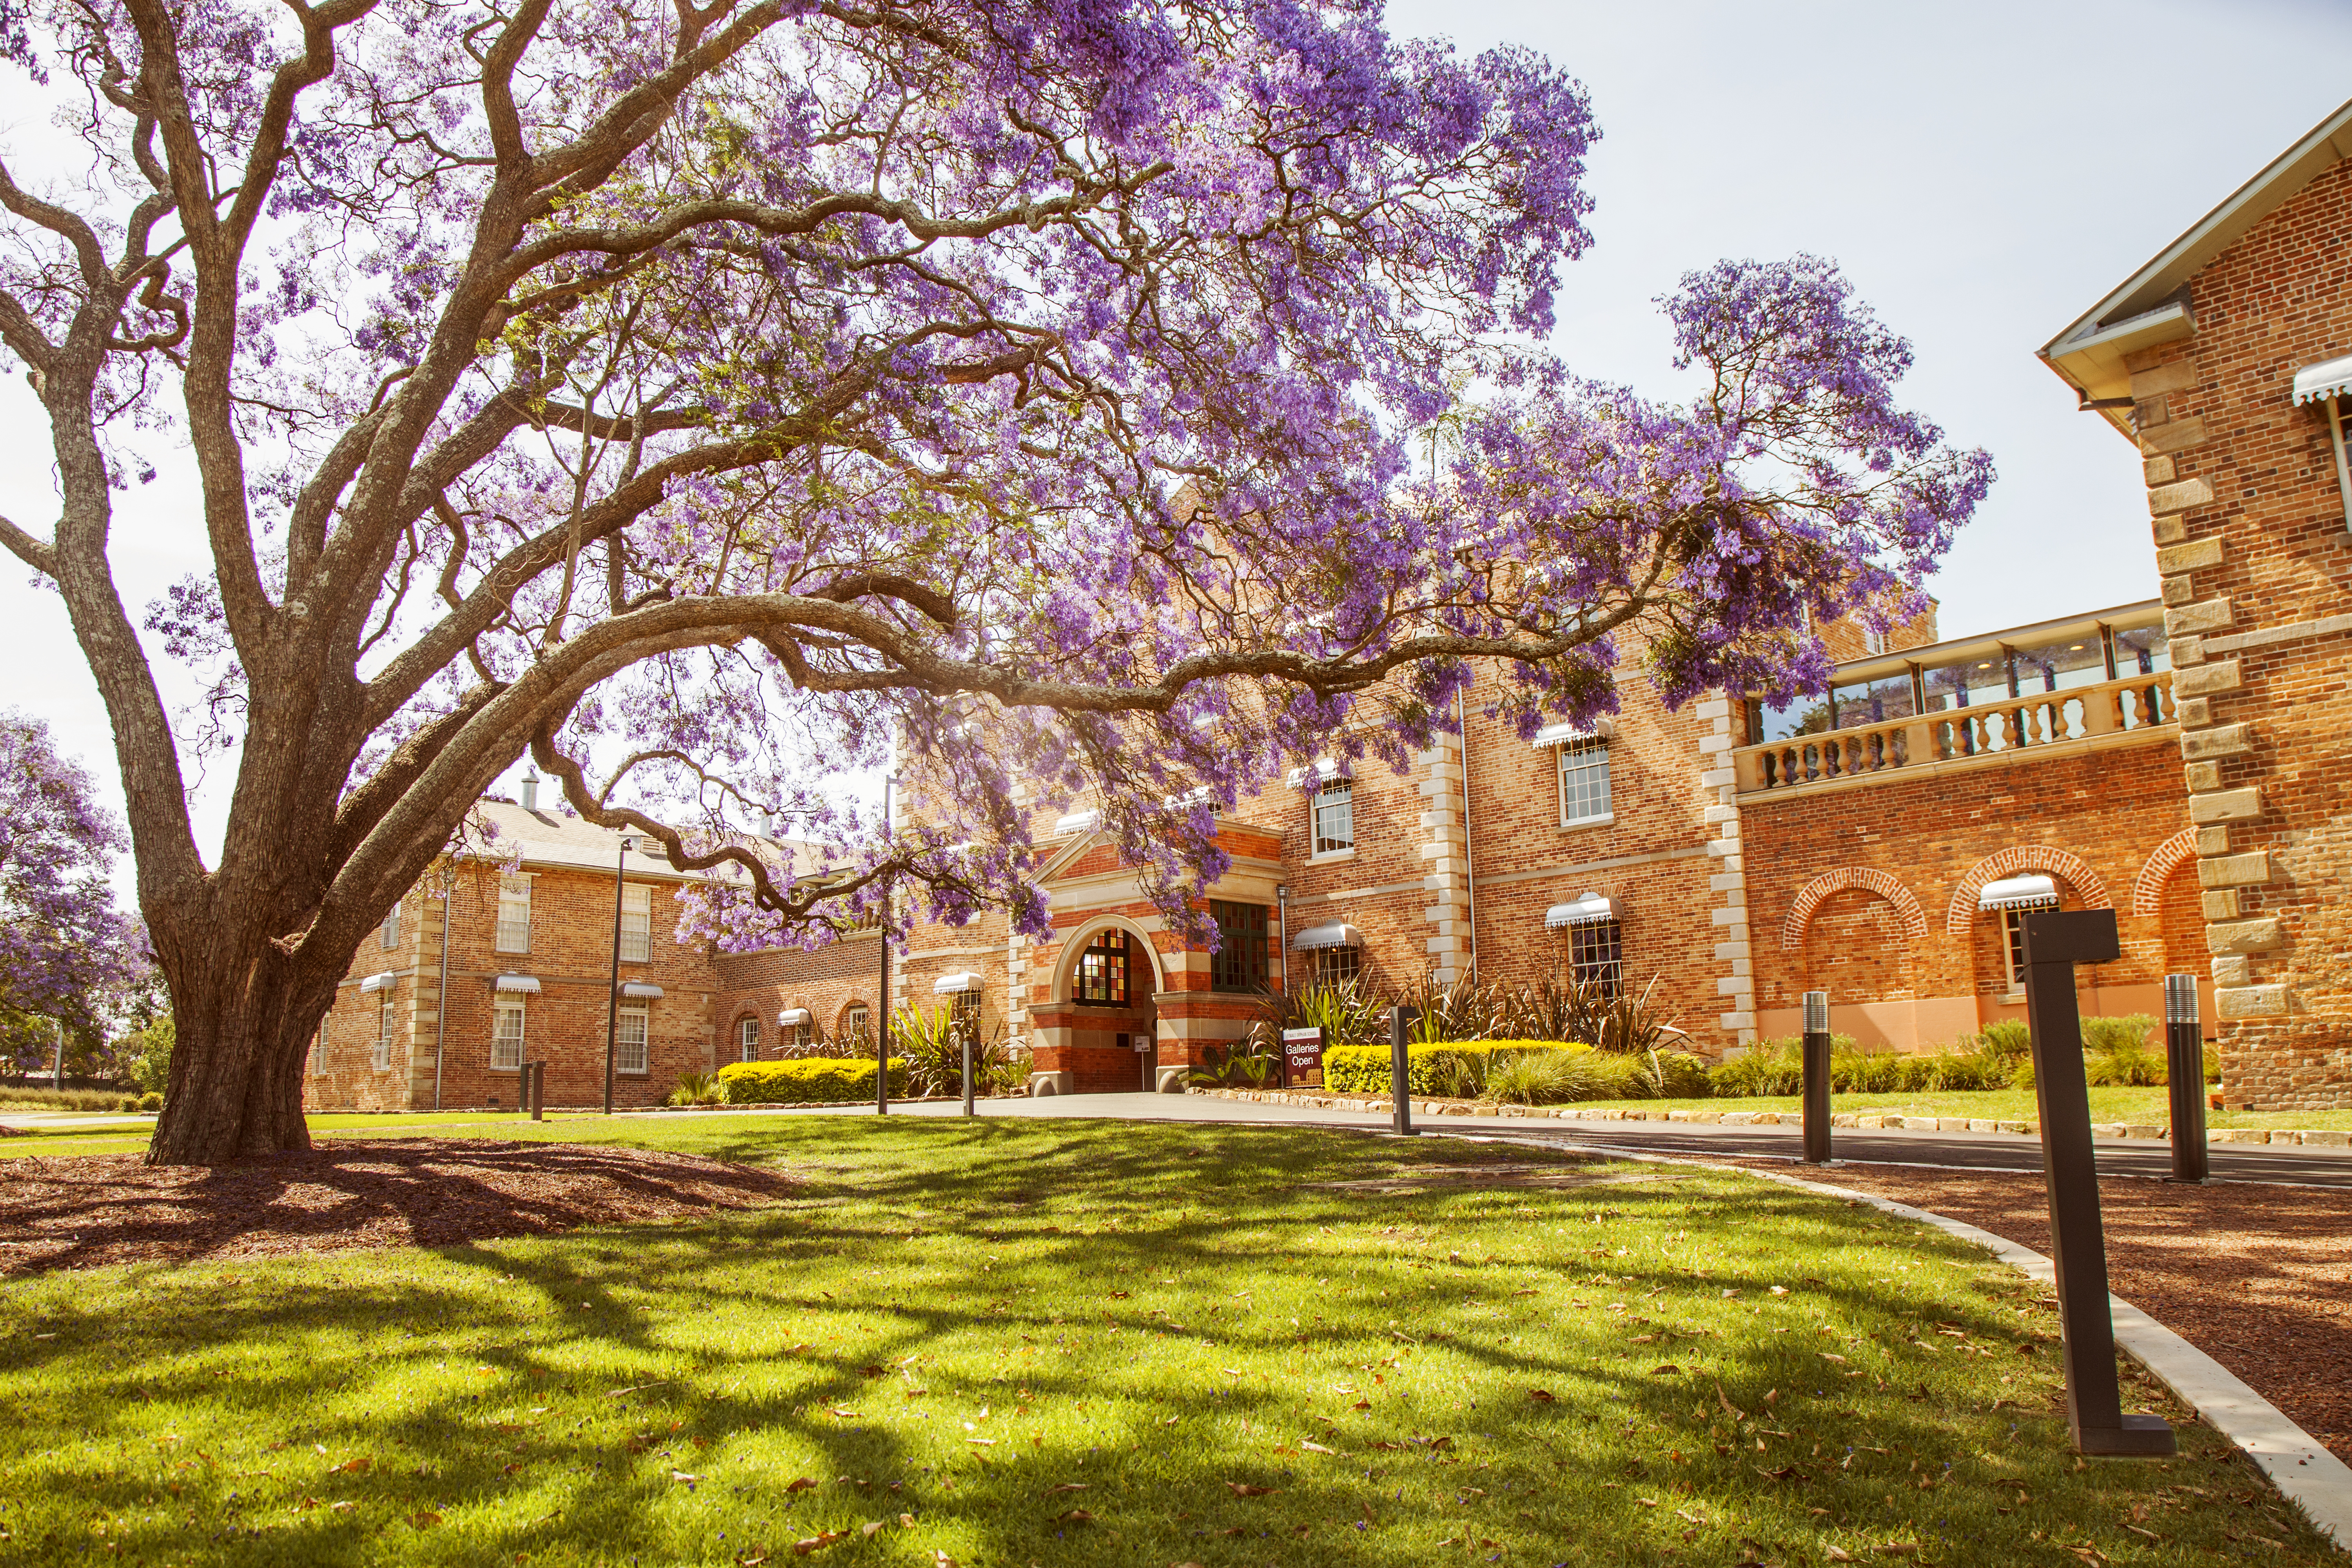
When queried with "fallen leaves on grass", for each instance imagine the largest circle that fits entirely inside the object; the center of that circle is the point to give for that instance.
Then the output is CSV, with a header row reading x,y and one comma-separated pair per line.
x,y
1073,1516
1543,1396
800,1485
817,1543
356,1467
1243,1488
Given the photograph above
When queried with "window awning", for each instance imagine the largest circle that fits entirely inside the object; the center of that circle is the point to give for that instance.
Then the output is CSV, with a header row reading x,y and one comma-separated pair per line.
x,y
1321,770
949,985
792,1018
379,982
516,983
2019,893
2330,378
640,989
1076,821
1338,933
1591,909
1561,734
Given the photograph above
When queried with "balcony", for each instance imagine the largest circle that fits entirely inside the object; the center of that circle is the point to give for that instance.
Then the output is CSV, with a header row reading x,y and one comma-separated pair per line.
x,y
2043,722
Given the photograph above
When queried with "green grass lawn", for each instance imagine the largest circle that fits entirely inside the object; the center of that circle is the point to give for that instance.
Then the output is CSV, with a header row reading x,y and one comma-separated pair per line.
x,y
2132,1105
1008,1342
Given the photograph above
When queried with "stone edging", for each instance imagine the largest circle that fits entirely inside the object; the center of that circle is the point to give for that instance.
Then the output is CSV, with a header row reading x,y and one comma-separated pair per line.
x,y
1379,1106
2305,1472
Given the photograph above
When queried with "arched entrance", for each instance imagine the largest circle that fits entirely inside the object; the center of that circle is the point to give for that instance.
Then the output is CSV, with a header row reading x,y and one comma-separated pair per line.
x,y
1100,1033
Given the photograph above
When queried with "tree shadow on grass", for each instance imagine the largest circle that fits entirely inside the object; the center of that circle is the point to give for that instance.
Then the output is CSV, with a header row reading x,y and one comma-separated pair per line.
x,y
651,1393
75,1214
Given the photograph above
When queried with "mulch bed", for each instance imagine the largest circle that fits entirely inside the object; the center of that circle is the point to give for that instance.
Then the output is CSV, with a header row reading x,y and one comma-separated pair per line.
x,y
2257,1277
82,1212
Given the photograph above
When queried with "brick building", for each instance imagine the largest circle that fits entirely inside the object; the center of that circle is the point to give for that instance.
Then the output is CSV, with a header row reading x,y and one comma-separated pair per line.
x,y
524,935
1877,843
2226,360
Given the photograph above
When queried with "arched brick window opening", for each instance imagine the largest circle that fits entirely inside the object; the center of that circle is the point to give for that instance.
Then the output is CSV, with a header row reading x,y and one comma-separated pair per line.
x,y
1911,919
1960,915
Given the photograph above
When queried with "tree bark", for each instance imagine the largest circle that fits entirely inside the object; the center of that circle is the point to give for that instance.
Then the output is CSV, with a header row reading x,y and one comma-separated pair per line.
x,y
244,1014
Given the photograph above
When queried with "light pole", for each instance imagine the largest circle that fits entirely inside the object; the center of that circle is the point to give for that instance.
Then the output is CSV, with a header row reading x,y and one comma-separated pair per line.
x,y
613,994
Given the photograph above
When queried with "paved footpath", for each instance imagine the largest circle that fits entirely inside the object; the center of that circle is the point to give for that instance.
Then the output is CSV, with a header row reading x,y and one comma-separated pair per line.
x,y
1950,1151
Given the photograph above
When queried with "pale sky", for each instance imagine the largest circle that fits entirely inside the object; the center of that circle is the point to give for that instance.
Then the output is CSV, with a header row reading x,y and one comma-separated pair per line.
x,y
1983,174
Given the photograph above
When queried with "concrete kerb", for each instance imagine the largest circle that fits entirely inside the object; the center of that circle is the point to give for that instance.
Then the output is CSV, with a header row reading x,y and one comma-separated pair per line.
x,y
2305,1472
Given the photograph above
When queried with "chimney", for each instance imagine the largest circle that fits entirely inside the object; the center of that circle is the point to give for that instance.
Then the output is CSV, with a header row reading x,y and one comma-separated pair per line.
x,y
530,790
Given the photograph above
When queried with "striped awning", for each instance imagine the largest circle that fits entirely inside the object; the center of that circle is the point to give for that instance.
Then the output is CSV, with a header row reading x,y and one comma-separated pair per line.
x,y
2329,378
1561,734
1338,933
1076,821
2019,893
792,1018
516,983
380,982
1591,909
1317,773
950,985
641,990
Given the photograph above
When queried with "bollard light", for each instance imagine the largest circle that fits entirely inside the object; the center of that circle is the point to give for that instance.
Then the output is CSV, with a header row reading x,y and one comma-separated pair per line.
x,y
1816,1084
2184,1051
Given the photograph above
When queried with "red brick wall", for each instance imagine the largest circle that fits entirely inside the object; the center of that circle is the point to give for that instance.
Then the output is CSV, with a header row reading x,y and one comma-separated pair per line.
x,y
565,1022
2251,537
2109,808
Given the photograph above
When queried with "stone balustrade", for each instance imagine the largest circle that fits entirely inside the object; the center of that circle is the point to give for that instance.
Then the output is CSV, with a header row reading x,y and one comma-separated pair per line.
x,y
2013,726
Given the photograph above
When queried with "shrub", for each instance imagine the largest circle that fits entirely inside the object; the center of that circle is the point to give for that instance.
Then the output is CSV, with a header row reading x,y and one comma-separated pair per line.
x,y
2124,1065
2128,1032
1777,1067
1241,1064
1553,1078
41,1096
2010,1040
1453,1069
832,1080
151,1104
697,1088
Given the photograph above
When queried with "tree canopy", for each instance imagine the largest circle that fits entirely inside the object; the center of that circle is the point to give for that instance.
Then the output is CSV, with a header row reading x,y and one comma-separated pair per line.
x,y
66,955
698,399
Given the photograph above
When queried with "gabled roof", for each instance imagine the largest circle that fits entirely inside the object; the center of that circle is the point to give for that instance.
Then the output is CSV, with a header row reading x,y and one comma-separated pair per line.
x,y
547,839
2150,307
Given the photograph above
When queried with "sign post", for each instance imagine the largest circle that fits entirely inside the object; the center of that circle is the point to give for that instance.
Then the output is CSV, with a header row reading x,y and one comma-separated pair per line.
x,y
2056,942
1302,1058
2184,1051
1401,1022
1817,1078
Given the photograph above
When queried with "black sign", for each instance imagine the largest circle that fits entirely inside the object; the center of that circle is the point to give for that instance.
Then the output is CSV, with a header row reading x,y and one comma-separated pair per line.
x,y
1302,1058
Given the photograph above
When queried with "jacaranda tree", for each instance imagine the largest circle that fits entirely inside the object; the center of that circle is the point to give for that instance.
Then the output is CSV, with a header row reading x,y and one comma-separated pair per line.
x,y
66,956
692,399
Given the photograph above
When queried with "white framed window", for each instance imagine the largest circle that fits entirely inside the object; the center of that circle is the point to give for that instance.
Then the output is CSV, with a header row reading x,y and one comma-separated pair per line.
x,y
747,1039
629,1053
514,914
637,924
853,1025
388,934
1336,965
319,1048
1583,780
385,1022
2012,931
1335,816
506,1033
1873,642
1596,954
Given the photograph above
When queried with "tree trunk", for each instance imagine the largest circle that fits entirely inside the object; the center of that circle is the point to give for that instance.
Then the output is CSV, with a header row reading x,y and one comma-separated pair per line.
x,y
244,1015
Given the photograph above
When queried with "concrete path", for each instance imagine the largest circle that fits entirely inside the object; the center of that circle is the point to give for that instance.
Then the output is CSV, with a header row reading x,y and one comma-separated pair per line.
x,y
1962,1151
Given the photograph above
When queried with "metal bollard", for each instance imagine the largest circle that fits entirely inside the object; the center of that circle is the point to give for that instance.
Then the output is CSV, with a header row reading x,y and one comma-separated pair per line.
x,y
967,1071
1817,1078
2184,1049
1401,1022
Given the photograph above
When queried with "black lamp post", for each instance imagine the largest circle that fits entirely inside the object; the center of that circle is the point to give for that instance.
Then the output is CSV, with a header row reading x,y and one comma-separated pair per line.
x,y
612,997
882,1002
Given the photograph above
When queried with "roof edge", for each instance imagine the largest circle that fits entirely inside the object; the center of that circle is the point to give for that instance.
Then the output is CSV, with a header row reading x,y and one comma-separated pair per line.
x,y
2146,290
